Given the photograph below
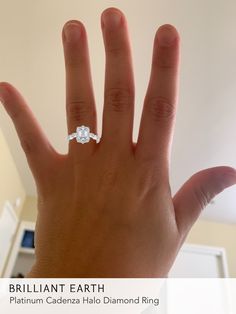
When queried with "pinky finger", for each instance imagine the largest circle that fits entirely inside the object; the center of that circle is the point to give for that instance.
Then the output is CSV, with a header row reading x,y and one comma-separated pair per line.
x,y
38,150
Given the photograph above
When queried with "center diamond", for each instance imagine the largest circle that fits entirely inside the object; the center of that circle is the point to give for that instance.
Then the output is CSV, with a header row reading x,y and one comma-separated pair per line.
x,y
82,134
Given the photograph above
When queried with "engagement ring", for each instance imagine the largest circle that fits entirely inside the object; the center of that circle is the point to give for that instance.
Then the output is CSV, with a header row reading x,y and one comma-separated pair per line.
x,y
83,135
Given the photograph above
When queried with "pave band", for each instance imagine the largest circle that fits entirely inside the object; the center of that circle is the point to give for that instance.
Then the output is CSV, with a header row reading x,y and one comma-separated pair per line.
x,y
83,135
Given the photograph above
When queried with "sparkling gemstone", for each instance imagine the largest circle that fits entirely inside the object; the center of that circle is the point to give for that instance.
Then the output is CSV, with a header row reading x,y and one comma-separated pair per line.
x,y
82,134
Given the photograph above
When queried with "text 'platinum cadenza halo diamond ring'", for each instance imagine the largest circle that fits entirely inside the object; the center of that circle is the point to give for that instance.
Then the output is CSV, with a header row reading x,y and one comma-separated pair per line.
x,y
83,135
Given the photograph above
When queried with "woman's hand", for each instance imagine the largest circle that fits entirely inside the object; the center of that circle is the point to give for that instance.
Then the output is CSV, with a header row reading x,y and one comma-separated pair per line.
x,y
106,210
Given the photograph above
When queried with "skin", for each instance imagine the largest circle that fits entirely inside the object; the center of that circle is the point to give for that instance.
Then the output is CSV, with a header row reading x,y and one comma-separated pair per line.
x,y
106,210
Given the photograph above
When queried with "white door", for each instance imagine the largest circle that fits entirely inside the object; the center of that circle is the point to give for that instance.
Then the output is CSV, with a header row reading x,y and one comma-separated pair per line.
x,y
195,261
8,225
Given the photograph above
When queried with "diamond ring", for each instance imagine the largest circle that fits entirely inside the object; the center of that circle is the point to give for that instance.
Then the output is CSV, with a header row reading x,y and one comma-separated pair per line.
x,y
83,135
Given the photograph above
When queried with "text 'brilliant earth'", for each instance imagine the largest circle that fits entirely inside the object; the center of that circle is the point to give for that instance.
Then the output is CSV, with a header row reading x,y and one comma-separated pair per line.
x,y
60,287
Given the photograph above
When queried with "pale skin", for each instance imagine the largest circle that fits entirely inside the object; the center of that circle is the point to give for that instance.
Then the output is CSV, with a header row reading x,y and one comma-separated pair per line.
x,y
106,210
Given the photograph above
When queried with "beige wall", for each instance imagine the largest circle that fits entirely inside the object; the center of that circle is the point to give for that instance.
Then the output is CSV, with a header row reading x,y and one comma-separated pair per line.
x,y
11,186
216,234
29,212
204,232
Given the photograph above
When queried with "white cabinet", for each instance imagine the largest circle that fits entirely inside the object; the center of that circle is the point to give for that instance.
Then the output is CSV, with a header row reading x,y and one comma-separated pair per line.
x,y
22,255
8,226
196,261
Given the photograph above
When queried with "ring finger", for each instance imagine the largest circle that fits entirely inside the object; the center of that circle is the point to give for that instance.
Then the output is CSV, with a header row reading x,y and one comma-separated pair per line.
x,y
80,103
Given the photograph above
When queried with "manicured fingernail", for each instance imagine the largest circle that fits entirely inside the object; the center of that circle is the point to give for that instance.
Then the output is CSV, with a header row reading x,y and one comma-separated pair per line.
x,y
111,19
166,36
72,31
3,93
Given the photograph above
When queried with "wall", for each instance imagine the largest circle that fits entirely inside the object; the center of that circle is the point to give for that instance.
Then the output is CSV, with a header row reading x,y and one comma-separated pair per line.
x,y
204,232
29,212
11,186
216,234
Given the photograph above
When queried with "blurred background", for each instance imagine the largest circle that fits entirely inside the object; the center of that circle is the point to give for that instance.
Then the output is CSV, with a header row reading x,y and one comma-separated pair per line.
x,y
31,58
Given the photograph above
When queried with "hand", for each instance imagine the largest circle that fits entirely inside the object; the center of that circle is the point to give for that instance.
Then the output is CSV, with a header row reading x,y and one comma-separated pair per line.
x,y
106,210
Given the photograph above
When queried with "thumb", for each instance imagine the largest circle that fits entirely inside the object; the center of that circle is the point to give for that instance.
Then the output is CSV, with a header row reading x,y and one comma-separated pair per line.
x,y
198,191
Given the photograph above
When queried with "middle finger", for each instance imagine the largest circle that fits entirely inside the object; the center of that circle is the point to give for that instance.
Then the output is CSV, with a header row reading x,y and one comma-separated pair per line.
x,y
119,82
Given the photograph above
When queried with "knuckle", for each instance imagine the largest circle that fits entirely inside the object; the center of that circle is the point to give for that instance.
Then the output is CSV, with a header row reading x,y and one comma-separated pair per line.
x,y
115,51
165,63
78,109
15,115
161,108
203,197
73,63
15,112
109,178
165,60
114,48
118,99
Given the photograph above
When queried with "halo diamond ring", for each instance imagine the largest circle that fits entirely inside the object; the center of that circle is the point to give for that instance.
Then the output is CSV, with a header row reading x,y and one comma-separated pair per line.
x,y
83,135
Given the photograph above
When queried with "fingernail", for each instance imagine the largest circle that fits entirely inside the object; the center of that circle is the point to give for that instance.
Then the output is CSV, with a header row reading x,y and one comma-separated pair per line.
x,y
166,36
3,93
111,19
72,31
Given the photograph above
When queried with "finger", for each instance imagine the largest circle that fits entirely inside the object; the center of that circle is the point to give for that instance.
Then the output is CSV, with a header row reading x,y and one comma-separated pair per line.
x,y
80,103
39,152
159,109
198,191
119,83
